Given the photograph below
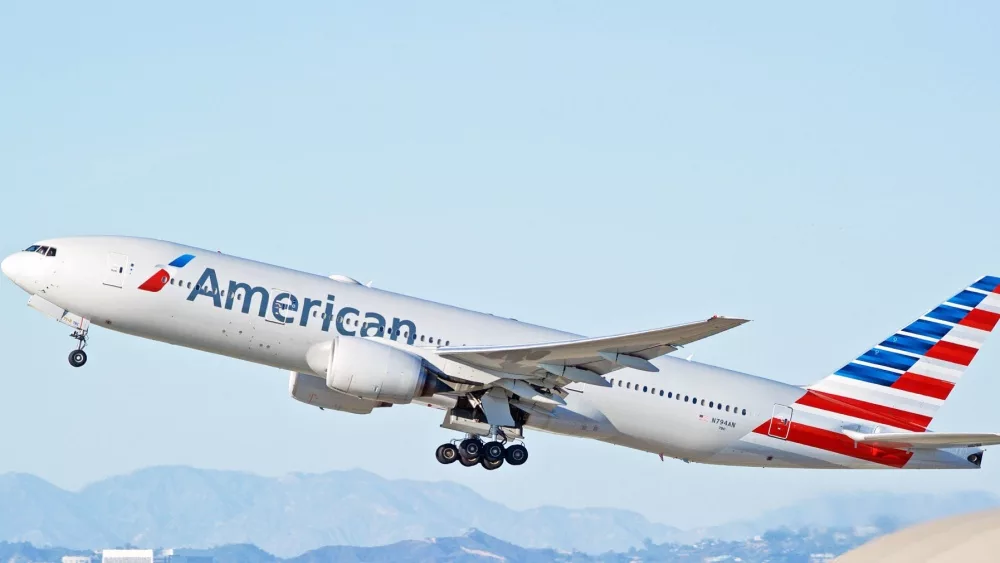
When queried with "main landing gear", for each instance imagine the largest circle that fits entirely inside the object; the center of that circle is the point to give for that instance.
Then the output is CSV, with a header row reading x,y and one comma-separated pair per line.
x,y
78,357
491,455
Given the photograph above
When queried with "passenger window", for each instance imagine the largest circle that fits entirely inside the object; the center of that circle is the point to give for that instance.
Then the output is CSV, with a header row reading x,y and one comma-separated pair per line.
x,y
661,392
421,337
619,382
189,285
727,408
645,389
447,342
171,281
652,390
711,404
612,382
744,412
628,385
685,398
52,252
42,250
703,402
720,406
670,395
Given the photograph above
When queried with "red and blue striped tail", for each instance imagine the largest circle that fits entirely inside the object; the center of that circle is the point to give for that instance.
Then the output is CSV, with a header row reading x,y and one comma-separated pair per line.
x,y
902,381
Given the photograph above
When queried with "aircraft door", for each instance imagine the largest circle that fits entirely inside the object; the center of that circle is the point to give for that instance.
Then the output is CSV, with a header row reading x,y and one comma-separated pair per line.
x,y
114,273
781,422
283,307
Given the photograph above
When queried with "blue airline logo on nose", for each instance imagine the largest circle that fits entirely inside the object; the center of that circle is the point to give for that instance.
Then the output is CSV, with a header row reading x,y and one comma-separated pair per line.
x,y
159,280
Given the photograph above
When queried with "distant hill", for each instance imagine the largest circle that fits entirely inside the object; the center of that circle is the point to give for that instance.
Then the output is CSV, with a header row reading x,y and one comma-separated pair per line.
x,y
181,506
477,547
290,515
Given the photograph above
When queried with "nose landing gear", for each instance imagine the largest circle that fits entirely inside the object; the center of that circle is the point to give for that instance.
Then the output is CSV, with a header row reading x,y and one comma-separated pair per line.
x,y
78,357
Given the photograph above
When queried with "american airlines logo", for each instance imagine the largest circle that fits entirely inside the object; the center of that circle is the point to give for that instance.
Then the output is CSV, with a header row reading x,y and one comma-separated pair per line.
x,y
286,308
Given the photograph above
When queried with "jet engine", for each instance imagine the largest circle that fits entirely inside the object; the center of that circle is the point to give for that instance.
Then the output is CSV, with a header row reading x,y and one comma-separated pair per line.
x,y
312,390
371,370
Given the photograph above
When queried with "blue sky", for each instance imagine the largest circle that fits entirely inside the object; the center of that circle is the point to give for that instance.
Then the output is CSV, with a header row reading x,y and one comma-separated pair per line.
x,y
829,173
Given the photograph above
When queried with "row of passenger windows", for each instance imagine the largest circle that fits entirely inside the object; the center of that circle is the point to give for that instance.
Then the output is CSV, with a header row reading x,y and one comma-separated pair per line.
x,y
687,398
340,319
43,250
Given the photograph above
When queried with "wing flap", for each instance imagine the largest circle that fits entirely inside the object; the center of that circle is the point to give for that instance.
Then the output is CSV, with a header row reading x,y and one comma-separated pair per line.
x,y
598,355
925,440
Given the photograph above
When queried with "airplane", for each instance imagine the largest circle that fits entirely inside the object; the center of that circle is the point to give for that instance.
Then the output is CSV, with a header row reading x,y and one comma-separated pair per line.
x,y
354,348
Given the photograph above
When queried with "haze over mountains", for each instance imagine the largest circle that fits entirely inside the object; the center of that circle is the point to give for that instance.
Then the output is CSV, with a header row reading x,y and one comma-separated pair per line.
x,y
287,516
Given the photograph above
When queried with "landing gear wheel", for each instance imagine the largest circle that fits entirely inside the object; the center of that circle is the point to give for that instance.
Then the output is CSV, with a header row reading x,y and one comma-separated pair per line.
x,y
516,454
77,358
470,447
493,451
468,462
491,465
446,453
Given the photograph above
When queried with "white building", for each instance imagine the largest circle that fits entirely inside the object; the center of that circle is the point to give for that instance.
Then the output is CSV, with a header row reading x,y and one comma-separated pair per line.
x,y
127,556
76,559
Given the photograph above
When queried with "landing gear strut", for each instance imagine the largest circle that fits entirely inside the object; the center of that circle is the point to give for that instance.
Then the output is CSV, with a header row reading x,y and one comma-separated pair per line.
x,y
491,455
78,357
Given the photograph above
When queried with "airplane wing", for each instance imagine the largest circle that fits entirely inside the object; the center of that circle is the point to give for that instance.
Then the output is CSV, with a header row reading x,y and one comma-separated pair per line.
x,y
586,359
925,440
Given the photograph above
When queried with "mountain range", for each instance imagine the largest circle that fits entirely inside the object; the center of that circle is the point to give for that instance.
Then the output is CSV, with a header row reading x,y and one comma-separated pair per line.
x,y
290,515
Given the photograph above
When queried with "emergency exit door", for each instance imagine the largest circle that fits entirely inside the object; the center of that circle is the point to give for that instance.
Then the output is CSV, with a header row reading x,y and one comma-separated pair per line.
x,y
114,274
781,422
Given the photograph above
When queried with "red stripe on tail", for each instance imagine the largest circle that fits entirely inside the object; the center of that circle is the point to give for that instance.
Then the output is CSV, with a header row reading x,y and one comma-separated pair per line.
x,y
838,443
983,320
864,410
923,385
951,352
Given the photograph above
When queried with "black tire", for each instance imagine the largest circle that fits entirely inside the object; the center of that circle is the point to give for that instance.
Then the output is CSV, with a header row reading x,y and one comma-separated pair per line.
x,y
77,358
516,454
493,451
470,447
491,465
468,462
446,453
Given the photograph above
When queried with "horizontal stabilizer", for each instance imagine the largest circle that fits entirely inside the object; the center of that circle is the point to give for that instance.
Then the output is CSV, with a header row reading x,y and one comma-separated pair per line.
x,y
596,355
925,440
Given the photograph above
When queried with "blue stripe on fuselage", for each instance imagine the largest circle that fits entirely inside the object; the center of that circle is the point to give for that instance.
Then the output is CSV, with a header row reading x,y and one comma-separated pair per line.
x,y
182,260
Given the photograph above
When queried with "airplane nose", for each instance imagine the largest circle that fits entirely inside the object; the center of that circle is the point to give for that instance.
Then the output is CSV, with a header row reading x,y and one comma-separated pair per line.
x,y
7,267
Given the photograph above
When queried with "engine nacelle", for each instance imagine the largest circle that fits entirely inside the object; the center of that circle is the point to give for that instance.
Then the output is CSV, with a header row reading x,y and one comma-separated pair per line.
x,y
371,370
312,390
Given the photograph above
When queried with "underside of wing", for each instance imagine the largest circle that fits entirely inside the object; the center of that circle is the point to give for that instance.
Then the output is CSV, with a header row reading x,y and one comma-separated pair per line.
x,y
925,440
586,359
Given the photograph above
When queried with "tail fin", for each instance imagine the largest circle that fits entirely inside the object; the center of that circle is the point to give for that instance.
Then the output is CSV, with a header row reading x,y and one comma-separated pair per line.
x,y
903,380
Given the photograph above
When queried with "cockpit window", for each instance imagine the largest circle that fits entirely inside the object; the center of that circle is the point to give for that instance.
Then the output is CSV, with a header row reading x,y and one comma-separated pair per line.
x,y
42,250
31,248
51,252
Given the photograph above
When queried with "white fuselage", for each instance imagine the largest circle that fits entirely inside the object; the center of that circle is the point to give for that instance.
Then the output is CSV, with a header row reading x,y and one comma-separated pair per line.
x,y
705,414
